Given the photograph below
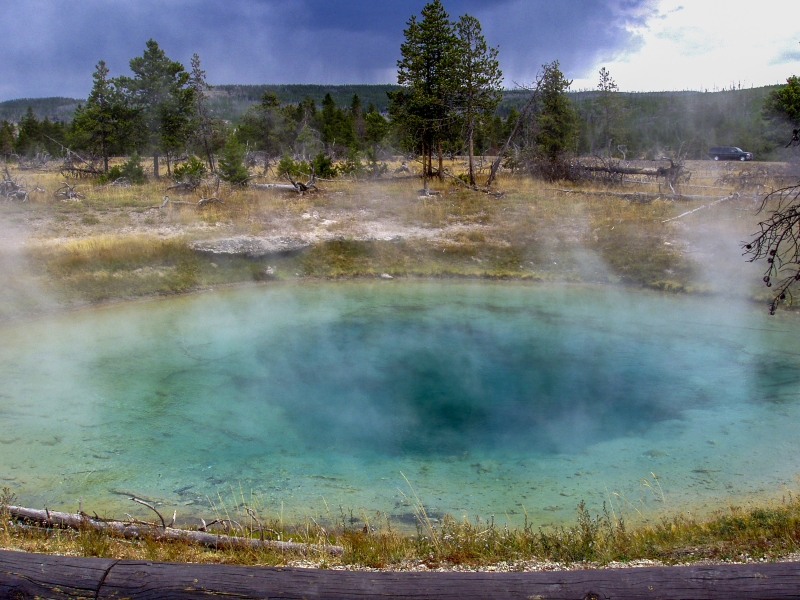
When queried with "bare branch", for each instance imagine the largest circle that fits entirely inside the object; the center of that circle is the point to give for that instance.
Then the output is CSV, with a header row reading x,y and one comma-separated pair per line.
x,y
153,508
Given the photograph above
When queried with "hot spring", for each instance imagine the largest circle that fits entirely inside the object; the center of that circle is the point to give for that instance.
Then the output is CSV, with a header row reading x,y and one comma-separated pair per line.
x,y
502,399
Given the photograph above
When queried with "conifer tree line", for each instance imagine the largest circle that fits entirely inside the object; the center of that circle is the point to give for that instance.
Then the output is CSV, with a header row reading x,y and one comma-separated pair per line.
x,y
447,105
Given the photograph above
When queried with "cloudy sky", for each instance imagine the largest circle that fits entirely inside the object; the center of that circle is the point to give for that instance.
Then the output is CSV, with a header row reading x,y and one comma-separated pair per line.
x,y
50,47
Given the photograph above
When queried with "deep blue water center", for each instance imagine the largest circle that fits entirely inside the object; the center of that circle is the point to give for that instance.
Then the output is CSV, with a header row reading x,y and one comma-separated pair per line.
x,y
399,383
507,398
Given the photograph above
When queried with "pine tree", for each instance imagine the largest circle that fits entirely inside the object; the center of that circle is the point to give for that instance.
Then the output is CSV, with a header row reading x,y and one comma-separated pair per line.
x,y
426,70
105,119
783,104
357,117
231,165
337,126
375,127
268,126
558,122
160,90
29,138
478,78
6,139
609,105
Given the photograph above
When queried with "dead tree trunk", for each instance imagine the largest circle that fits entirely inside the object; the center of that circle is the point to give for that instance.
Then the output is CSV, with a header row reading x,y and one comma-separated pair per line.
x,y
441,167
137,529
471,153
531,101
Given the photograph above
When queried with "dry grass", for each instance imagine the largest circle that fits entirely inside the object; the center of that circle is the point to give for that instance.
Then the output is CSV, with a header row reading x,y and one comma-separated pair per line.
x,y
768,532
131,249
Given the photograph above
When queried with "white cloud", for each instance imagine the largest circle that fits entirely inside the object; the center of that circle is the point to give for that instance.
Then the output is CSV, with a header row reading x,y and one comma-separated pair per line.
x,y
710,45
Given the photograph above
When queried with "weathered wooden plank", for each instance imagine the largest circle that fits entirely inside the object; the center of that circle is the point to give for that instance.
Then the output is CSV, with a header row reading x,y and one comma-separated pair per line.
x,y
150,581
25,575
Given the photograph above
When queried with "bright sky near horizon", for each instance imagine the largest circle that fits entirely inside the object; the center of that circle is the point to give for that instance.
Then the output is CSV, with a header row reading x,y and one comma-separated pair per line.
x,y
708,45
647,45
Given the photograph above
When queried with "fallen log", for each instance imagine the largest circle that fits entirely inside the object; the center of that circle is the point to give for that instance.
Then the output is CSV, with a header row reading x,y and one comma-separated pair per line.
x,y
199,204
701,207
274,186
25,575
137,529
640,196
204,201
293,186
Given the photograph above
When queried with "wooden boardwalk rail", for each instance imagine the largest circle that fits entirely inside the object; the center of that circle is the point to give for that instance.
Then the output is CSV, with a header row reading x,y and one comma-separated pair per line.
x,y
24,576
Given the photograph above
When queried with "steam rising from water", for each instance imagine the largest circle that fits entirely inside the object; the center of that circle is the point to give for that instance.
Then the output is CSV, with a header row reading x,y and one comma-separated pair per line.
x,y
487,396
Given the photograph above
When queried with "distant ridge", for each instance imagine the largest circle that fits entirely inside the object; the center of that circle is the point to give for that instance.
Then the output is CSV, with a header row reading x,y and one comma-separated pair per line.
x,y
56,108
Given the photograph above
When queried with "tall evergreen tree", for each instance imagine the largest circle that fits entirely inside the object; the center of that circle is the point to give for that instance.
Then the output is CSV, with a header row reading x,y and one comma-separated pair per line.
x,y
231,165
7,136
268,126
478,79
557,123
609,105
28,140
337,126
105,120
357,117
375,127
160,89
426,70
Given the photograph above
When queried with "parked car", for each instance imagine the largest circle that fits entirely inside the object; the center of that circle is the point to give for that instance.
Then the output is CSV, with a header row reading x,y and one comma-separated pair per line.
x,y
729,153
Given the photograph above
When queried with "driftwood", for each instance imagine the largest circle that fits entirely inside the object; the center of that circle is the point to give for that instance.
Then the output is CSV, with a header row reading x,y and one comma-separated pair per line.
x,y
296,186
673,175
185,186
133,529
26,575
701,207
68,192
204,201
14,189
274,186
199,204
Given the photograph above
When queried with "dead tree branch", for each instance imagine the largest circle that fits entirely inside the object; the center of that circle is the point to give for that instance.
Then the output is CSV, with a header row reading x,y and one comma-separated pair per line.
x,y
68,192
14,188
531,101
294,186
154,509
778,241
701,207
132,530
639,196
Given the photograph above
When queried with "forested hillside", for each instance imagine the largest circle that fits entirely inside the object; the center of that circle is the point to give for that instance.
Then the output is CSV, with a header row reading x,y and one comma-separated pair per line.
x,y
231,101
54,109
652,122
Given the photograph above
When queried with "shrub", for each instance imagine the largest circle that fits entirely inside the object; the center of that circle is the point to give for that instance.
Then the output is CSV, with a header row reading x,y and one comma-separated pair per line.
x,y
194,168
132,170
323,166
291,167
231,165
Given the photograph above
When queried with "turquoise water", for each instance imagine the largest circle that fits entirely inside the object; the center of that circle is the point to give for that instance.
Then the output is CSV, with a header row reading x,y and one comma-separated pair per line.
x,y
498,399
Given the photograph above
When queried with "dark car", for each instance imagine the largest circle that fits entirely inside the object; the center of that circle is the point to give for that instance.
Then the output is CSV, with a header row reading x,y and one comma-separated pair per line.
x,y
729,153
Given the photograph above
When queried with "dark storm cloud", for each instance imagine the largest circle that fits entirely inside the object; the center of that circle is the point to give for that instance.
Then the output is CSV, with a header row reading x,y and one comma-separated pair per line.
x,y
311,41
